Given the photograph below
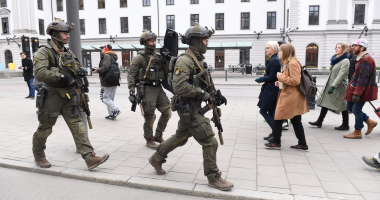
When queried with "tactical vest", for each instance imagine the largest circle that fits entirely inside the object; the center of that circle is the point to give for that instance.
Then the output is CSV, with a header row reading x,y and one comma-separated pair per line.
x,y
63,63
154,72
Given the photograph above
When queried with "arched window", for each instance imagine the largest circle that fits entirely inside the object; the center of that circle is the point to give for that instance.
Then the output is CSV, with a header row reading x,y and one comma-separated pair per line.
x,y
312,56
8,58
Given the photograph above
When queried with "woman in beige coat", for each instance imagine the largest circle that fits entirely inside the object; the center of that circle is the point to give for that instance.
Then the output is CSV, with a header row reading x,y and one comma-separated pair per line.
x,y
291,104
332,94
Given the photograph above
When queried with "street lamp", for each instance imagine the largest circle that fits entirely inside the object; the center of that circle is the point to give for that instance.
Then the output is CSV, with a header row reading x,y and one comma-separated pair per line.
x,y
364,29
111,38
13,39
258,33
287,34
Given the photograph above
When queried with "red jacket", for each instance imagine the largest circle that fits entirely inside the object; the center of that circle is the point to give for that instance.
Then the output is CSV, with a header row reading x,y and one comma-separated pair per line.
x,y
363,82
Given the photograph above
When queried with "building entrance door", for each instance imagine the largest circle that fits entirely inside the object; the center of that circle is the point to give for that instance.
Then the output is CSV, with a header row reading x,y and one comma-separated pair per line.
x,y
312,56
219,58
126,59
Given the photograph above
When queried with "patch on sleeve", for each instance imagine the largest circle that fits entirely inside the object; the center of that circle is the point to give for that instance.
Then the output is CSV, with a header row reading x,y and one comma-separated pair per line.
x,y
178,71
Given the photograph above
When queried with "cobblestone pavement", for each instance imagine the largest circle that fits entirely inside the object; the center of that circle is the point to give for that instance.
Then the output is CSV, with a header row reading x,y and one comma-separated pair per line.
x,y
332,168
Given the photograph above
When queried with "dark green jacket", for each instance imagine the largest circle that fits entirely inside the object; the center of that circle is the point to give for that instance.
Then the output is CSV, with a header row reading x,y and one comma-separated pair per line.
x,y
104,66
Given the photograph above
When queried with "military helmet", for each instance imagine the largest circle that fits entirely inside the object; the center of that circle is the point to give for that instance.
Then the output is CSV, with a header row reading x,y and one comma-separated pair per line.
x,y
146,35
59,26
196,31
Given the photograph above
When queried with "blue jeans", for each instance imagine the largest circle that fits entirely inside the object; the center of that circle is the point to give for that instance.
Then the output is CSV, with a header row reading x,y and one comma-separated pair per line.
x,y
360,117
268,116
31,87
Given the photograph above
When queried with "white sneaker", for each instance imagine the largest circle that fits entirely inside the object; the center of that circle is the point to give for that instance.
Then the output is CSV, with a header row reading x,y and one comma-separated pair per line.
x,y
285,125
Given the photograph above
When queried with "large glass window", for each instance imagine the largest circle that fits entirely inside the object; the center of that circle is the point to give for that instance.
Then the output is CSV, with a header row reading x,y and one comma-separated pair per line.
x,y
101,4
3,3
244,20
102,26
146,2
244,56
244,0
41,26
80,4
39,5
194,18
124,24
5,24
170,22
194,1
146,23
219,1
82,27
59,5
271,20
314,15
123,3
219,21
169,2
359,13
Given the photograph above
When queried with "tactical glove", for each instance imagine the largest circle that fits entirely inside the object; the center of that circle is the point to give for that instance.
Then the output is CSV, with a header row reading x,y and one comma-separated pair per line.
x,y
67,78
220,98
356,98
331,90
205,96
82,71
132,98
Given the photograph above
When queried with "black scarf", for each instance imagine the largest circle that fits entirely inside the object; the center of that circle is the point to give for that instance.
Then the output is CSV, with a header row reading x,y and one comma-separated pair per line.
x,y
196,53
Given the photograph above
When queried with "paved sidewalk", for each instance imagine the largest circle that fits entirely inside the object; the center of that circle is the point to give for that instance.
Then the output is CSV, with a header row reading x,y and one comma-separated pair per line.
x,y
332,169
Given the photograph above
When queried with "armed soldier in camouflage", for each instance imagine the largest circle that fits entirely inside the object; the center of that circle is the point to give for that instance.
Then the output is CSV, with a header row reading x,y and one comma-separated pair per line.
x,y
147,73
56,66
190,94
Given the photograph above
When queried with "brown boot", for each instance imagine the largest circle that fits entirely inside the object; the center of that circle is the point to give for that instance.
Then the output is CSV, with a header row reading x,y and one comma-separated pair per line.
x,y
157,166
96,161
43,163
151,144
220,183
357,134
370,124
159,139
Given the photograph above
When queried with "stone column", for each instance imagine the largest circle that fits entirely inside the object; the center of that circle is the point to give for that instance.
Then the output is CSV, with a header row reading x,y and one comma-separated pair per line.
x,y
332,12
376,16
343,12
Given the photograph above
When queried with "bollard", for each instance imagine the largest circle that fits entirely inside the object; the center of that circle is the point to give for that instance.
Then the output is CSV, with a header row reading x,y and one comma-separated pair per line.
x,y
378,78
226,75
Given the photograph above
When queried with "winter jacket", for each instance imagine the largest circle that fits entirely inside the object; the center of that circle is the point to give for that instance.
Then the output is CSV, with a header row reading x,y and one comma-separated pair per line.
x,y
27,72
268,96
290,102
363,82
352,58
104,66
337,78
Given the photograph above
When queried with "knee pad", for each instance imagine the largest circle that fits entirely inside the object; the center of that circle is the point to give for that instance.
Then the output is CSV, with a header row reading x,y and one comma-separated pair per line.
x,y
149,119
167,114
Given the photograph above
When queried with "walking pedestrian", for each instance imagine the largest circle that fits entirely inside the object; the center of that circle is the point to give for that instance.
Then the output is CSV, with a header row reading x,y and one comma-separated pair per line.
x,y
332,94
269,92
362,88
108,90
291,103
285,123
27,72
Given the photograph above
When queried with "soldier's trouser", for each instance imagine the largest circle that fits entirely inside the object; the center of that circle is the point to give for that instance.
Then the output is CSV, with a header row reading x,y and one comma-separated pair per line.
x,y
47,116
201,130
155,97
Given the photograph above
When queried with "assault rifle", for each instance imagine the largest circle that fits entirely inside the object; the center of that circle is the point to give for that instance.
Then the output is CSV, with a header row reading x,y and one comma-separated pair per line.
x,y
81,90
216,99
134,104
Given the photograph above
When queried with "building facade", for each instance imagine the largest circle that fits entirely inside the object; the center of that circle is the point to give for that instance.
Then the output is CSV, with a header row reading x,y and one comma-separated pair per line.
x,y
242,27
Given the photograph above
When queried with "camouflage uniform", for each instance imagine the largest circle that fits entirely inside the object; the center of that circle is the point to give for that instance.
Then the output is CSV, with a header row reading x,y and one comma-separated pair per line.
x,y
49,70
154,96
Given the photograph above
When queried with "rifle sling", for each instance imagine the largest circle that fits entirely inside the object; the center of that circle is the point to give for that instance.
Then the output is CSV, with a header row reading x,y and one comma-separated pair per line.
x,y
190,52
147,68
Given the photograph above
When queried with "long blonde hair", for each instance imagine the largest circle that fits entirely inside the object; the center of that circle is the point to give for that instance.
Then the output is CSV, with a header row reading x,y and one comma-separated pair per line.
x,y
345,48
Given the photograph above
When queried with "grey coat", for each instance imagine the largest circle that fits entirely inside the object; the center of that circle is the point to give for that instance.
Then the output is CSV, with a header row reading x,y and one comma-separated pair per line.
x,y
339,79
